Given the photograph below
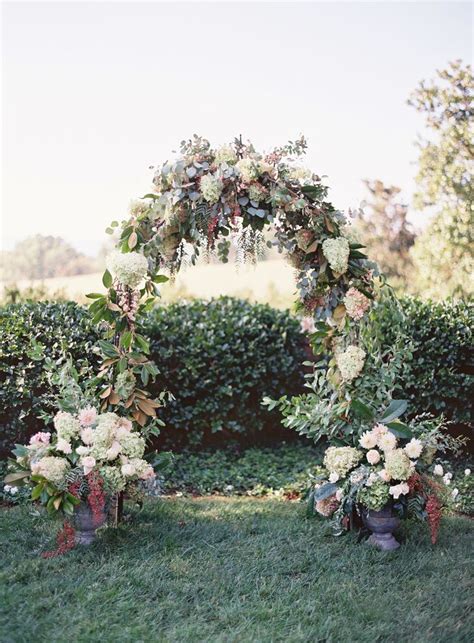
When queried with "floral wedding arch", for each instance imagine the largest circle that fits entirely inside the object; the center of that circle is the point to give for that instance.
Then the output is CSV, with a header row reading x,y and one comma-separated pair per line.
x,y
199,203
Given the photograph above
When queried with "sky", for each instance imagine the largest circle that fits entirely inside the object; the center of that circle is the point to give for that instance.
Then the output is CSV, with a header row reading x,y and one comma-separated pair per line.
x,y
93,94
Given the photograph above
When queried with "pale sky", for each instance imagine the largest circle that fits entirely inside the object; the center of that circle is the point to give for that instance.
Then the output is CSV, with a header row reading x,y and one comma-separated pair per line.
x,y
95,93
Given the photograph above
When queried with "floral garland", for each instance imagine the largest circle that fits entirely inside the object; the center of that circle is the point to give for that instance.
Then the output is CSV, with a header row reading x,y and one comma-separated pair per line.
x,y
202,201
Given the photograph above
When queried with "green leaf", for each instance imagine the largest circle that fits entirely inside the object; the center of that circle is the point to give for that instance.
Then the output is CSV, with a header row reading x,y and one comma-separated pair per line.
x,y
160,279
107,279
36,493
108,349
400,430
94,295
361,410
394,410
126,339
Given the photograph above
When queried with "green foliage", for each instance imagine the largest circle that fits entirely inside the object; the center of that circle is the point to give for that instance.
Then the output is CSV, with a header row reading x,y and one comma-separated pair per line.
x,y
443,253
31,337
437,371
285,469
219,359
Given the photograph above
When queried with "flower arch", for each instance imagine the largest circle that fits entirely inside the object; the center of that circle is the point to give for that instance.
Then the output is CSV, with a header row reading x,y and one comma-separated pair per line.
x,y
200,202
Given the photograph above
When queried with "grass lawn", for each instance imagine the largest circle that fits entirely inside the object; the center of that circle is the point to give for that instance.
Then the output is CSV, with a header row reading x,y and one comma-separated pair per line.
x,y
233,569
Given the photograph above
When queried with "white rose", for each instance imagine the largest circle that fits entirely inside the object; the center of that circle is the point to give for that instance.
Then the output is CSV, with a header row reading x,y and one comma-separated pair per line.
x,y
334,477
128,470
454,494
373,456
438,470
399,490
467,472
447,478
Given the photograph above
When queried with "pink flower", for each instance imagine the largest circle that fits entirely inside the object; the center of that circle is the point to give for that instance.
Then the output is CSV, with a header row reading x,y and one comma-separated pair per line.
x,y
114,450
87,435
356,303
40,439
87,416
88,463
64,446
148,474
307,325
126,424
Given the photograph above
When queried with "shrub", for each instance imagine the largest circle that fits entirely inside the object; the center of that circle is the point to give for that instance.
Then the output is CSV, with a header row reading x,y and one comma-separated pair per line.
x,y
284,470
219,359
438,375
30,334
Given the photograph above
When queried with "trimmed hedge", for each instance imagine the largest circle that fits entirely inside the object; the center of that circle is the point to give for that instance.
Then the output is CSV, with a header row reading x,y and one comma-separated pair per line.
x,y
439,375
29,334
219,359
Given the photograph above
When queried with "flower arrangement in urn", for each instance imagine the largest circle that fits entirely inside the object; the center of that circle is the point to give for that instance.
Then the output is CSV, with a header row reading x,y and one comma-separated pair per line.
x,y
387,476
75,469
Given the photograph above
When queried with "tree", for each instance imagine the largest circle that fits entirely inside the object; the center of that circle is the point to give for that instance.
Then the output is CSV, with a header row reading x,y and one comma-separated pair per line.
x,y
385,231
40,257
443,254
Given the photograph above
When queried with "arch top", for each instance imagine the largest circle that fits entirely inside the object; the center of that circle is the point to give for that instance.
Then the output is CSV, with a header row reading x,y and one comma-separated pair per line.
x,y
198,202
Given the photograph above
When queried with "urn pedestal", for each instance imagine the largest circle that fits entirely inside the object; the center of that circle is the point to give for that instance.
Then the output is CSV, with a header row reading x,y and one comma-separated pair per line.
x,y
382,524
86,524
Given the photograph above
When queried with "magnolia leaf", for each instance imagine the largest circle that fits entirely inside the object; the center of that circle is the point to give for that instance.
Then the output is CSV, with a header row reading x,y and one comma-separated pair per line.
x,y
325,491
394,410
361,410
107,279
132,240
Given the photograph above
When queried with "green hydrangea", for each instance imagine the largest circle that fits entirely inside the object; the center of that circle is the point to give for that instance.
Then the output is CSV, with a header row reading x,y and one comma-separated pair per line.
x,y
125,384
398,464
341,460
113,479
374,497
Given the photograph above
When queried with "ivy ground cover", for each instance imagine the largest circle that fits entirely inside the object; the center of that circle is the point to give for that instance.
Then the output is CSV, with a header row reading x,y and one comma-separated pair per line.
x,y
234,569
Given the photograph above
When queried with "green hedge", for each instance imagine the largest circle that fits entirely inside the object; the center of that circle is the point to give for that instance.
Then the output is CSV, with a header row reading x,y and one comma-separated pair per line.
x,y
439,375
29,334
219,359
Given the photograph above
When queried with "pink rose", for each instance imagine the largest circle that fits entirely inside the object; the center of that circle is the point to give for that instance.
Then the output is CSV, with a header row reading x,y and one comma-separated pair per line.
x,y
40,439
88,463
87,416
126,424
87,435
148,474
64,446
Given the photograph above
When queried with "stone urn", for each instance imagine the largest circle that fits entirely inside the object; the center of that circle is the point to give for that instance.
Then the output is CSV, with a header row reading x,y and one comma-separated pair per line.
x,y
86,524
382,524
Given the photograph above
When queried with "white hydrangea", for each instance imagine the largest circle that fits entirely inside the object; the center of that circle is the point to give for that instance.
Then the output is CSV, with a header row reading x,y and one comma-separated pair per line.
x,y
248,169
129,268
226,154
302,174
350,362
256,193
336,252
66,425
356,303
211,188
52,468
